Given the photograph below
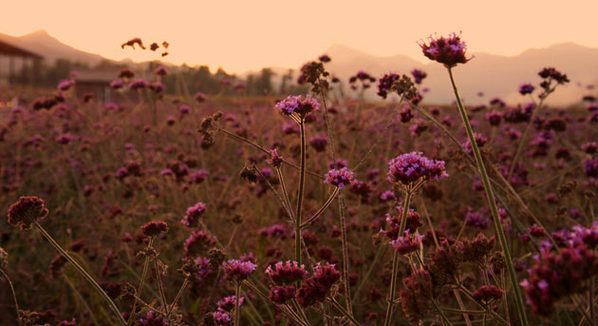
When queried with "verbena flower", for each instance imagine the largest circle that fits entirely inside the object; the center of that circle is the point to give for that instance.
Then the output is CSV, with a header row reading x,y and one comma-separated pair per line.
x,y
297,104
407,243
26,211
238,269
449,51
339,178
193,214
228,303
221,317
154,228
286,272
526,89
316,288
487,293
412,167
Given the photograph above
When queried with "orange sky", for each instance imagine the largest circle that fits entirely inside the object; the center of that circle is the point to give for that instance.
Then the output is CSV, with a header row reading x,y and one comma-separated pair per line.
x,y
249,34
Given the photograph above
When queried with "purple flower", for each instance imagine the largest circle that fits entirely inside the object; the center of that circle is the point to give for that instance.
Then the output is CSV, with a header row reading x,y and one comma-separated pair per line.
x,y
275,159
193,214
339,178
286,273
526,89
413,167
138,84
65,85
237,269
590,167
200,97
228,303
385,84
161,71
418,75
449,51
297,104
152,319
221,318
407,243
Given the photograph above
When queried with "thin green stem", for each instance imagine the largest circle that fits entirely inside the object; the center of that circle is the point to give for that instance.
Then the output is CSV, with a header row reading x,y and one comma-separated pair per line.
x,y
395,263
83,273
237,305
322,208
12,291
523,138
300,193
345,313
141,281
492,203
345,248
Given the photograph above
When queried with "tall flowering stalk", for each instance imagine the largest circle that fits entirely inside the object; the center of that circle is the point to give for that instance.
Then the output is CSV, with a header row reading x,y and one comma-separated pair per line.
x,y
25,213
410,171
297,107
450,51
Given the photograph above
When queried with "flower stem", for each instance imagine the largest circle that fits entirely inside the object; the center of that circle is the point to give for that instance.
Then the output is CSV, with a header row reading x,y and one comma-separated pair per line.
x,y
345,248
395,263
491,201
12,291
237,306
83,273
524,138
300,194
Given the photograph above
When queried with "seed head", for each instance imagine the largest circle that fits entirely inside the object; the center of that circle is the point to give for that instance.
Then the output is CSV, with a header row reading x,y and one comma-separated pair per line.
x,y
27,210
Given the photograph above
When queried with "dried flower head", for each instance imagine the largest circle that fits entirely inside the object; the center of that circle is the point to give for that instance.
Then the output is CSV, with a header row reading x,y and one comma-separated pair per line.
x,y
154,228
26,211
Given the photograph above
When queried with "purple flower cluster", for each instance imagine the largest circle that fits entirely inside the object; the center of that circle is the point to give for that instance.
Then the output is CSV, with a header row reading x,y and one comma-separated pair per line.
x,y
297,104
407,243
339,178
193,214
449,51
526,89
418,75
316,288
562,272
413,167
152,319
385,84
275,159
286,273
238,270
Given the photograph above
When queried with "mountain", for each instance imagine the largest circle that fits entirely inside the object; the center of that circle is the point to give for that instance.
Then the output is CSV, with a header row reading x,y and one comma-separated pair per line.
x,y
44,44
494,75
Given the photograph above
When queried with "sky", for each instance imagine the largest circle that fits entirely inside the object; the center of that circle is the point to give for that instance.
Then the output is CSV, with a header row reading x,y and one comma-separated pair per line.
x,y
248,35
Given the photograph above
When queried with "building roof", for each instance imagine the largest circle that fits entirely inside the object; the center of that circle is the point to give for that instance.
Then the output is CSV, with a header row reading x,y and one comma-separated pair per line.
x,y
15,51
97,76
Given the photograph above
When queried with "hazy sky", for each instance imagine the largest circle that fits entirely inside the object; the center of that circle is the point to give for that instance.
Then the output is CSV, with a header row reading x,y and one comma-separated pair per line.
x,y
250,34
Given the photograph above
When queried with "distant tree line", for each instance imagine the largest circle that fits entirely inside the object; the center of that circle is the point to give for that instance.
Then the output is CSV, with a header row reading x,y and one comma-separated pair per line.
x,y
181,80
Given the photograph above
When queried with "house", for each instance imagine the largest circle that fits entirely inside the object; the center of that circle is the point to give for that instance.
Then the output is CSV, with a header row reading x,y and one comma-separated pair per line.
x,y
15,57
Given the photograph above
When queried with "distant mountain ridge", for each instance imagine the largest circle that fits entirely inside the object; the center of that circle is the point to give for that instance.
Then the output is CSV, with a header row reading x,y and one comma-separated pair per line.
x,y
494,75
50,48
